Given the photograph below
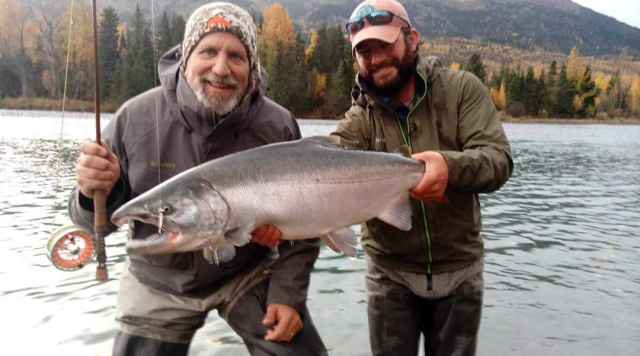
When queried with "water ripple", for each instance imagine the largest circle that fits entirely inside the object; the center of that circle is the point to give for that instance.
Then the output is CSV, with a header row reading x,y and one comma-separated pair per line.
x,y
562,249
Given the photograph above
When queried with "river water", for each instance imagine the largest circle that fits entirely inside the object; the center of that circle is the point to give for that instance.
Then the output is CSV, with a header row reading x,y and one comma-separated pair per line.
x,y
562,245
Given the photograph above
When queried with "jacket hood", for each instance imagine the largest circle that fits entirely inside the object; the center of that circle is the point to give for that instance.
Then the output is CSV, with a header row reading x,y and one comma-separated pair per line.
x,y
186,107
429,67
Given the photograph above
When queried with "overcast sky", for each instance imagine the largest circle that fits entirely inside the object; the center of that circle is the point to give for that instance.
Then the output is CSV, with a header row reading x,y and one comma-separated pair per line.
x,y
627,11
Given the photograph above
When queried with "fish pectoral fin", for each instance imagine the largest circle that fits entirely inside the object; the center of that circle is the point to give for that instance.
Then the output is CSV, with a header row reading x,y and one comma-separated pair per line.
x,y
219,254
327,241
239,236
342,240
399,214
403,150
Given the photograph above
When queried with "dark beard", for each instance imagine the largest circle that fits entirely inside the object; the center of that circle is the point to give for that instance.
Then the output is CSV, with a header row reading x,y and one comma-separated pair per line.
x,y
405,68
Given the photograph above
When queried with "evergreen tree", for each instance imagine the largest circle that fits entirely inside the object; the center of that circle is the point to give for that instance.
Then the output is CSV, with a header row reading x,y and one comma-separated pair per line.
x,y
300,70
586,93
288,75
337,98
615,101
515,91
498,78
337,44
177,29
563,106
475,66
531,95
281,76
552,89
140,55
120,90
543,94
164,36
320,58
108,56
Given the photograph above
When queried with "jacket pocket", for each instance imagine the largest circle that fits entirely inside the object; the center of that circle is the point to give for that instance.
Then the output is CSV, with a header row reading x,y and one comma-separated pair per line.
x,y
390,240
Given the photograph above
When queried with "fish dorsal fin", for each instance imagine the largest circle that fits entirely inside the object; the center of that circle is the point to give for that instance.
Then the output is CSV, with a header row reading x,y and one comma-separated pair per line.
x,y
399,214
335,140
404,150
239,236
220,253
342,240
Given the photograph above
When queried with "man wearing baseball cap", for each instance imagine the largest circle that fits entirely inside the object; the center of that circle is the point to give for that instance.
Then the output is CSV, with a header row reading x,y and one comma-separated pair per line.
x,y
210,104
427,280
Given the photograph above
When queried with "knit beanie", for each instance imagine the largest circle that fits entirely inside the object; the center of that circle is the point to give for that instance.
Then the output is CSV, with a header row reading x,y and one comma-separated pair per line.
x,y
223,17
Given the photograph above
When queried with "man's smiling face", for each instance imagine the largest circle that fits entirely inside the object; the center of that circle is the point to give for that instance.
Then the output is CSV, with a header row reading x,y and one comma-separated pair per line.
x,y
218,71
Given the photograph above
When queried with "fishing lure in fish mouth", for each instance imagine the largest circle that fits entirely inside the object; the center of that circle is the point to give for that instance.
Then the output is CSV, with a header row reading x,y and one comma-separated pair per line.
x,y
71,248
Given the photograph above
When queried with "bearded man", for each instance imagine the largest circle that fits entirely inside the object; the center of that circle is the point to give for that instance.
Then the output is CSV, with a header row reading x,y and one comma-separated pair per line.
x,y
427,280
210,104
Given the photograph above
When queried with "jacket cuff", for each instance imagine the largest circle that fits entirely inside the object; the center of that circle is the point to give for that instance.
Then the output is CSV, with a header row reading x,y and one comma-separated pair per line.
x,y
289,280
455,167
115,196
280,293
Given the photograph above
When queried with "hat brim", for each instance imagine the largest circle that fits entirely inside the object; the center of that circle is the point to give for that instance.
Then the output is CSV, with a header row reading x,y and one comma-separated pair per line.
x,y
384,33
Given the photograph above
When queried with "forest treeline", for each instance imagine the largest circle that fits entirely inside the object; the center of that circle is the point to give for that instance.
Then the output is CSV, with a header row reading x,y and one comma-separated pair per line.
x,y
310,73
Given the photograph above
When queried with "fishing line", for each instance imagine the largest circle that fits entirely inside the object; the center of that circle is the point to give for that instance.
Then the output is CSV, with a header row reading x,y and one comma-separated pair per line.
x,y
155,83
64,100
71,247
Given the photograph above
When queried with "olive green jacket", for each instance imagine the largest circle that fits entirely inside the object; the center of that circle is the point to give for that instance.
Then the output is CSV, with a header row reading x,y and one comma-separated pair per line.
x,y
453,115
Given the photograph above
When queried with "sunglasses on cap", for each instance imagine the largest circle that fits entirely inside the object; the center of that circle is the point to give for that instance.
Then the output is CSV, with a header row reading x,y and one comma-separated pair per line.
x,y
376,18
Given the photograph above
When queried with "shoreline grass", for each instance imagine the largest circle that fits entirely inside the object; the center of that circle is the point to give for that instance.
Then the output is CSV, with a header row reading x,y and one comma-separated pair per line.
x,y
24,103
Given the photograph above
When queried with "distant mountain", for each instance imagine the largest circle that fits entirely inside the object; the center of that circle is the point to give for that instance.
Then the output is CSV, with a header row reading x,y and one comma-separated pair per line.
x,y
553,25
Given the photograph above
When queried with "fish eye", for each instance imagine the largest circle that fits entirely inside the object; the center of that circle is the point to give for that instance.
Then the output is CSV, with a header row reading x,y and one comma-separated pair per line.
x,y
165,209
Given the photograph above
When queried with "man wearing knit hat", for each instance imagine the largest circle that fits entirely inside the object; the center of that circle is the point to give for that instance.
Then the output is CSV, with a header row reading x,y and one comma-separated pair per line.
x,y
210,104
427,280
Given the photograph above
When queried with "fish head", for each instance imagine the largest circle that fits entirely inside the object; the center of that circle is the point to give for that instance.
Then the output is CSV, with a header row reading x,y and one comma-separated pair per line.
x,y
189,213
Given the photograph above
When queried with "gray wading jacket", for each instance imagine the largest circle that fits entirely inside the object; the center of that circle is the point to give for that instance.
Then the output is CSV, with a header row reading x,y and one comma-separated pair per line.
x,y
189,134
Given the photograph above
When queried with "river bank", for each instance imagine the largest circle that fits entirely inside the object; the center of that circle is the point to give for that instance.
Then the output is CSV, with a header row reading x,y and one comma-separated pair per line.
x,y
46,104
551,120
71,105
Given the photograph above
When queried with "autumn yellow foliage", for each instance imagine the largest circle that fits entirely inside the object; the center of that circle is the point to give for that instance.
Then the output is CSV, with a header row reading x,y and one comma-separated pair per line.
x,y
499,96
17,29
313,40
635,95
321,85
277,25
575,68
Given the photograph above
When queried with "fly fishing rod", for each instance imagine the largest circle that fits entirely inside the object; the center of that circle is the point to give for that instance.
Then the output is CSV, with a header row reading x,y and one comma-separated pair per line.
x,y
99,196
72,247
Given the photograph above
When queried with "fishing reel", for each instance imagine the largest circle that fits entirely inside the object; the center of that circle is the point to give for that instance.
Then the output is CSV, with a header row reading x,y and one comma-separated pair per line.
x,y
71,248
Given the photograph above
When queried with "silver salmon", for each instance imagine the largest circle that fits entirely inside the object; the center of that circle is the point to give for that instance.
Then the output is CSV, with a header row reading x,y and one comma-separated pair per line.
x,y
307,188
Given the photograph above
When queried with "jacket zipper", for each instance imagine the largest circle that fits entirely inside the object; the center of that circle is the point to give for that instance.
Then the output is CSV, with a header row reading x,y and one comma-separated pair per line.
x,y
407,140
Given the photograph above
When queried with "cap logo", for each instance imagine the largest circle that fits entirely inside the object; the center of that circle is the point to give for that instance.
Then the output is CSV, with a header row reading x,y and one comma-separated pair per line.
x,y
217,20
365,10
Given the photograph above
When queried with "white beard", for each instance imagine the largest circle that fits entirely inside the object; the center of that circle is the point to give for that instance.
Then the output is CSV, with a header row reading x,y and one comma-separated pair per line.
x,y
221,104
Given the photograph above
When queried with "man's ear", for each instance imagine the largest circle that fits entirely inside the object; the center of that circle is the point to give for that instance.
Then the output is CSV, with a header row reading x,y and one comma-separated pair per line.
x,y
414,39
